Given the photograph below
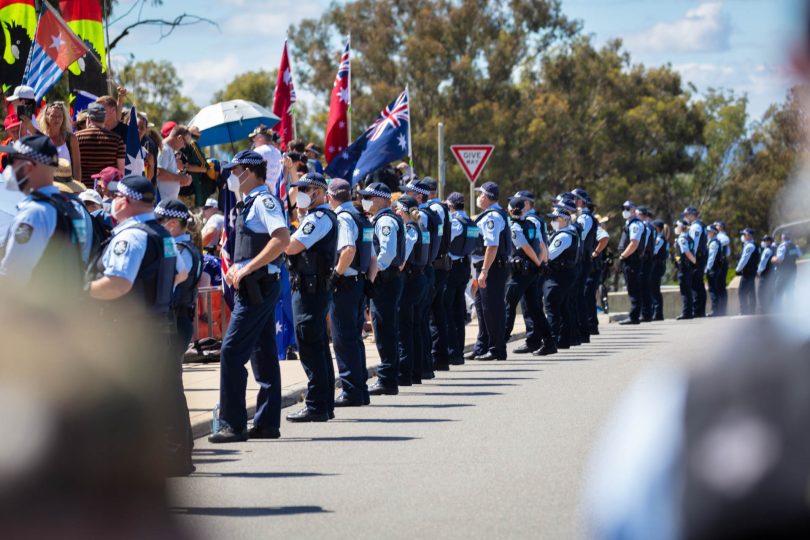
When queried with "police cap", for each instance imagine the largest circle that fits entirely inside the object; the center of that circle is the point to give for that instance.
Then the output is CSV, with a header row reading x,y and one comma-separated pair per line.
x,y
490,189
37,148
311,179
137,188
407,203
456,200
245,157
376,189
172,209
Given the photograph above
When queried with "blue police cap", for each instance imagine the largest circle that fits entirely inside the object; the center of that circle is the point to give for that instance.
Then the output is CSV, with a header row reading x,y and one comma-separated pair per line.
x,y
690,211
559,213
580,193
526,194
490,189
136,187
658,223
376,189
338,184
567,205
172,208
767,238
748,230
518,202
245,157
429,183
417,186
407,203
629,205
36,148
711,228
311,179
456,200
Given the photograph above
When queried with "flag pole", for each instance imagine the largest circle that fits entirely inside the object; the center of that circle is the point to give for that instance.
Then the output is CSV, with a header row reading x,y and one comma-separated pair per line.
x,y
410,141
349,110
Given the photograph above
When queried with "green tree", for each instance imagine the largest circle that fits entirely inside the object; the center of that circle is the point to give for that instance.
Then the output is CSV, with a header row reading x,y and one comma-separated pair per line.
x,y
255,86
154,88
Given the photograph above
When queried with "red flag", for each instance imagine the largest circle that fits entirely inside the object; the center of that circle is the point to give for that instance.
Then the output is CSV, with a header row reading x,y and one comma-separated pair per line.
x,y
283,100
337,128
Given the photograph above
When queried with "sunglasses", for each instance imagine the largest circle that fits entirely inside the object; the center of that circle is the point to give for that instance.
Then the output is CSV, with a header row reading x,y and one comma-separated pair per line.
x,y
306,189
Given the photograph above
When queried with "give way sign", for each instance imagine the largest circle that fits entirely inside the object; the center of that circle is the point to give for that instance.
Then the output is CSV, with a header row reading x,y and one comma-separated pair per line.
x,y
472,158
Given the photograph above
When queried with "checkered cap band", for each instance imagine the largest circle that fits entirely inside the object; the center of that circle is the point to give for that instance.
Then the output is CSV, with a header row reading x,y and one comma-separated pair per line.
x,y
129,193
165,212
416,189
28,152
248,161
401,206
375,193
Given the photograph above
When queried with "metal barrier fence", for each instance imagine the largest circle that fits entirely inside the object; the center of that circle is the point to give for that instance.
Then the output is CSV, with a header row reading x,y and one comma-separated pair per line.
x,y
207,298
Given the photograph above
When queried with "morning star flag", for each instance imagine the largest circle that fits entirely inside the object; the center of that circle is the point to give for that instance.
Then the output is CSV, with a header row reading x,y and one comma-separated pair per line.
x,y
388,139
89,72
55,47
135,156
337,128
284,99
18,22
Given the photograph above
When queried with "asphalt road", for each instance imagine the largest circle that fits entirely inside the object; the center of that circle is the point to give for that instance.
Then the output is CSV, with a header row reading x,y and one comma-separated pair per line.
x,y
489,450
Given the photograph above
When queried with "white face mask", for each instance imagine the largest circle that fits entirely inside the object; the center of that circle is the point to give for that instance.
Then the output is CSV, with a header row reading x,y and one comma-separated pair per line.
x,y
742,238
626,214
763,245
234,183
115,209
555,225
303,200
367,204
478,203
11,180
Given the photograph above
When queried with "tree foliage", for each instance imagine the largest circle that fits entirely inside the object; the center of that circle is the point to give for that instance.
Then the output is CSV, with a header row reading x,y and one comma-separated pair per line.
x,y
154,88
255,86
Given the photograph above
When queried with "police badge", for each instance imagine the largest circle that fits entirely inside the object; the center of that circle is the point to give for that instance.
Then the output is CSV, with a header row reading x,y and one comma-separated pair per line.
x,y
269,203
386,230
23,233
120,247
308,228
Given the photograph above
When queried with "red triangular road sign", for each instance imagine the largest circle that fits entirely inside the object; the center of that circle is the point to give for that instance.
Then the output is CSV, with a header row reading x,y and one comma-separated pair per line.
x,y
472,158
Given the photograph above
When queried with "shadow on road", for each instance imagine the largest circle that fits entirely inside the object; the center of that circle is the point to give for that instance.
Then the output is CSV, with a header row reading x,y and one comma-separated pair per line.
x,y
395,420
469,394
473,384
260,475
247,511
363,438
426,405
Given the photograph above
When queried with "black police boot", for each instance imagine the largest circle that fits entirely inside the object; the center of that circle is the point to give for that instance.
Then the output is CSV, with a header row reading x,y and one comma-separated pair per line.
x,y
683,317
343,401
547,349
524,349
470,355
585,337
404,381
629,321
594,331
441,366
261,432
227,434
457,362
306,415
379,390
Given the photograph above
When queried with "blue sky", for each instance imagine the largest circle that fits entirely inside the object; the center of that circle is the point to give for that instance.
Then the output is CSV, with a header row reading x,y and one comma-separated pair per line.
x,y
737,44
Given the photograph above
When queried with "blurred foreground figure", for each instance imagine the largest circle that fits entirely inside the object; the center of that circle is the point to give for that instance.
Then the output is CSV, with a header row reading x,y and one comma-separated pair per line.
x,y
82,455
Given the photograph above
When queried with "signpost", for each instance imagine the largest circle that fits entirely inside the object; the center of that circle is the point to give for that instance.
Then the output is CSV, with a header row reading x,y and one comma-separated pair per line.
x,y
472,158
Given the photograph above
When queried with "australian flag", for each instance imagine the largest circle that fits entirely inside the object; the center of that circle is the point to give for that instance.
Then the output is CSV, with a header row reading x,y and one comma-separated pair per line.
x,y
134,150
388,139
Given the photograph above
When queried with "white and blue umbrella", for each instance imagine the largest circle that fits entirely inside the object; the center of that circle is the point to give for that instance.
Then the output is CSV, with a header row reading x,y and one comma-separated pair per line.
x,y
228,122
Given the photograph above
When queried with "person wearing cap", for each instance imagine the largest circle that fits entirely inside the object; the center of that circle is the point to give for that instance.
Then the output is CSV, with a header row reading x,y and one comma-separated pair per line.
x,y
630,259
412,347
313,152
685,261
588,238
747,269
598,273
265,143
347,312
562,256
490,261
24,103
659,268
389,255
522,284
214,224
463,240
170,179
714,268
646,248
104,183
787,255
99,147
765,274
174,216
260,238
725,241
45,248
312,254
697,230
11,125
571,327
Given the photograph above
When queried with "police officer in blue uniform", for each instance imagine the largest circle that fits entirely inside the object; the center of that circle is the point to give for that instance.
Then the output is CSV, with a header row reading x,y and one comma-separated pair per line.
x,y
134,282
787,254
490,263
389,254
687,265
697,230
540,224
587,224
630,258
646,248
260,238
570,315
725,242
463,239
441,269
598,265
747,269
765,273
714,268
562,262
412,348
312,254
525,266
347,313
659,268
47,244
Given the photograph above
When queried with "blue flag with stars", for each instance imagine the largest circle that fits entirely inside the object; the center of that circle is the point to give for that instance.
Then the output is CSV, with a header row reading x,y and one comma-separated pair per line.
x,y
388,139
134,150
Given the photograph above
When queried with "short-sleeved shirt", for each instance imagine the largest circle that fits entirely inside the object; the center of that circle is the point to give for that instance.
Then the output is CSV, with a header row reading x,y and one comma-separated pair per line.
x,y
764,258
27,239
561,241
386,230
714,249
490,228
586,221
99,148
683,244
265,216
748,251
518,238
315,226
217,223
636,230
457,228
725,241
188,260
347,232
273,158
695,230
167,161
122,130
601,234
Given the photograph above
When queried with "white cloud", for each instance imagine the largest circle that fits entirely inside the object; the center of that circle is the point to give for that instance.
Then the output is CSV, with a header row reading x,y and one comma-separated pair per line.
x,y
705,28
201,78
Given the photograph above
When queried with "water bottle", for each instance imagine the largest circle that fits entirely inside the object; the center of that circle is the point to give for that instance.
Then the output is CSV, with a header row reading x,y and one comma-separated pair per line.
x,y
215,421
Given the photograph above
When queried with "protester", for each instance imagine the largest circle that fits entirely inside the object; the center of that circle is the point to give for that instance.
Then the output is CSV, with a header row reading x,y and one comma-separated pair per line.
x,y
213,225
53,119
12,125
112,107
99,147
197,167
170,179
63,178
24,103
313,152
150,145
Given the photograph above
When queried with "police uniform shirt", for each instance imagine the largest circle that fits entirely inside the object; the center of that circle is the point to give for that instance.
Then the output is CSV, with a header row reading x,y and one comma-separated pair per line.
x,y
518,238
188,260
748,250
782,251
683,243
456,229
767,253
347,232
695,230
490,229
636,230
532,216
126,250
725,241
314,226
561,242
586,221
28,237
265,216
714,249
436,206
660,241
411,236
386,230
601,234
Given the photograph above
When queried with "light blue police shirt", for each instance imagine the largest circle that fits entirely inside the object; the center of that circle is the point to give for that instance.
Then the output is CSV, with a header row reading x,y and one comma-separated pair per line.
x,y
714,249
188,260
586,221
683,243
636,230
725,241
457,228
386,230
490,229
518,238
748,250
436,206
561,241
315,225
347,231
766,255
695,230
411,236
265,216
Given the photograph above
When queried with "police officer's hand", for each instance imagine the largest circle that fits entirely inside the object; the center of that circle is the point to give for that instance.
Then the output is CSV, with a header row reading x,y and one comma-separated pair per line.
x,y
482,280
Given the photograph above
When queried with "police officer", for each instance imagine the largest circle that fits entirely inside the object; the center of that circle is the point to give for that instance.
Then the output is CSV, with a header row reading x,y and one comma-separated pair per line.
x,y
647,247
562,257
347,312
785,260
570,314
522,285
490,263
598,265
588,238
630,258
659,268
45,249
747,269
412,348
389,254
687,264
135,279
697,230
260,238
714,267
463,239
312,253
765,273
725,241
540,223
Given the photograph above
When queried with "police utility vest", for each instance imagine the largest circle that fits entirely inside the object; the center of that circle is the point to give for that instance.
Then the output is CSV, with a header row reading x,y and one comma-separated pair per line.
x,y
154,282
589,242
61,265
444,232
568,258
503,240
720,258
530,233
248,244
318,260
702,247
690,242
185,293
420,252
362,246
464,244
625,241
768,264
399,258
434,228
541,225
750,268
791,258
649,239
661,256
